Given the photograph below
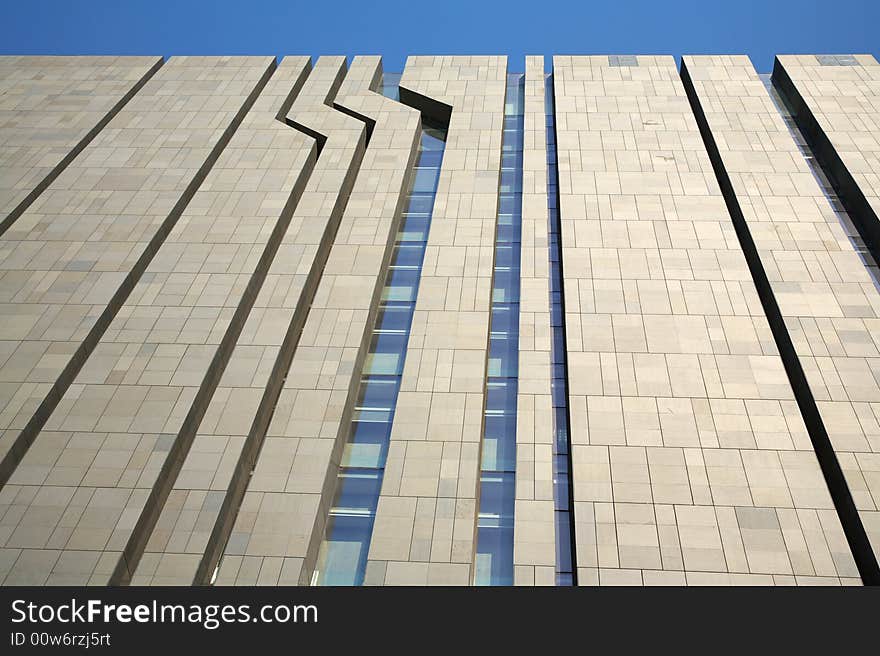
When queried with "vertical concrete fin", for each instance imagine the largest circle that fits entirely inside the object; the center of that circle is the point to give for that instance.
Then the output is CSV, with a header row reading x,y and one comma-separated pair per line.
x,y
534,555
362,254
691,463
292,74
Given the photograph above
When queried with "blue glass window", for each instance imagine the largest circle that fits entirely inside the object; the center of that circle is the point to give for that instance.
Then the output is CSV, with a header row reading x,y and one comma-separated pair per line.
x,y
401,285
510,204
414,228
421,203
367,444
425,180
394,316
509,229
494,558
499,436
431,158
505,318
408,256
343,553
385,356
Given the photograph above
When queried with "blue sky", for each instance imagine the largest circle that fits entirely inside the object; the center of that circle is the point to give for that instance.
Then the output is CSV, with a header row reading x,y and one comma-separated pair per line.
x,y
395,28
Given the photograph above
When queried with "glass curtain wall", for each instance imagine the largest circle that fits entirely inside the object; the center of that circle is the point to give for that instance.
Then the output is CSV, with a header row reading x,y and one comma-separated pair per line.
x,y
494,558
342,559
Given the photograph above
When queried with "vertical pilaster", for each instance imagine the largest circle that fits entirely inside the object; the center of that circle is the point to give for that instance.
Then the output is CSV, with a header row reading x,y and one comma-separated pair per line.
x,y
534,540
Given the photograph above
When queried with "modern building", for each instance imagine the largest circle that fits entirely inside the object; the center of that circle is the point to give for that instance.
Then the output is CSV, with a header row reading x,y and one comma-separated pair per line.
x,y
470,324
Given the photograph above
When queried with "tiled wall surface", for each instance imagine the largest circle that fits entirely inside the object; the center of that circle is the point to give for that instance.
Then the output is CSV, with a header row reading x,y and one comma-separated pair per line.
x,y
281,521
534,555
49,106
843,96
259,180
826,296
426,518
691,463
83,482
192,254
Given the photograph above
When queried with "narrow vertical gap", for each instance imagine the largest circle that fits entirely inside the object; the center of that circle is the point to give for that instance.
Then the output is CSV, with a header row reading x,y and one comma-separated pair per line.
x,y
563,490
852,525
342,553
497,496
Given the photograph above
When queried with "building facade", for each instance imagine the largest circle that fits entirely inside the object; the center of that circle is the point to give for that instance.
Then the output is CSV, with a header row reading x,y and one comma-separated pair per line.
x,y
475,323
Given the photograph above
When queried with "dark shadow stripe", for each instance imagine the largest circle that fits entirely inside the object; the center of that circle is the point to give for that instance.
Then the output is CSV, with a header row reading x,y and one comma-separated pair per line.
x,y
28,200
173,463
253,443
319,138
24,440
560,264
852,197
831,470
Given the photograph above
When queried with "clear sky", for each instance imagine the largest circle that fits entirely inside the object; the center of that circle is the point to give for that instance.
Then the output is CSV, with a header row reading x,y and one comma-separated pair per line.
x,y
395,28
